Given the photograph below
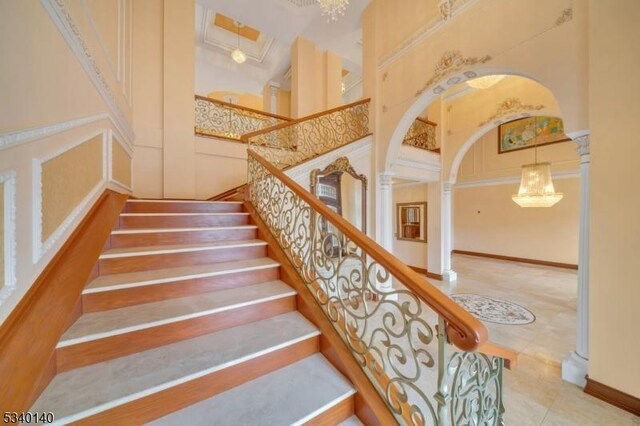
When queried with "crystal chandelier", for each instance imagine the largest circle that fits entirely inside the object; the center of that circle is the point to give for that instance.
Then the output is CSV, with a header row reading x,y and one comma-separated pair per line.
x,y
333,9
485,82
238,55
536,185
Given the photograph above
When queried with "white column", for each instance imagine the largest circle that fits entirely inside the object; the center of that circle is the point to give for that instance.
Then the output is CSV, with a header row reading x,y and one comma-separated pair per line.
x,y
575,365
386,210
447,232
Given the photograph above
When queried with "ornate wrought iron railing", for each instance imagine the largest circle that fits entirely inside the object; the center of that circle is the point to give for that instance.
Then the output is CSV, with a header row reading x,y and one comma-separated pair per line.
x,y
224,120
288,144
421,351
421,134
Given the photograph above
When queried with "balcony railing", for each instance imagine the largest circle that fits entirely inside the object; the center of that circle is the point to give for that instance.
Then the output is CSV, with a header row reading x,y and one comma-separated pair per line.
x,y
224,120
421,134
427,357
291,143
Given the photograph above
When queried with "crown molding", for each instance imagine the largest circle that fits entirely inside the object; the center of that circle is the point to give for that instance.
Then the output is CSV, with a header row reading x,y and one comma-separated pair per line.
x,y
63,20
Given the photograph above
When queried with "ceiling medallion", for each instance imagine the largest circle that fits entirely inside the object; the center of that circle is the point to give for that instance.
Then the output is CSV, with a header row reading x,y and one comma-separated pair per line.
x,y
333,9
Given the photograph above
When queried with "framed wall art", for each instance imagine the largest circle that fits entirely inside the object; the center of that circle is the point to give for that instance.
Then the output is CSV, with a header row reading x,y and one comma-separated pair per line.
x,y
526,132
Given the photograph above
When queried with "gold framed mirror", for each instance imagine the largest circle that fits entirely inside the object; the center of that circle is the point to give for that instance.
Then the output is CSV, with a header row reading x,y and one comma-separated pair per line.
x,y
412,222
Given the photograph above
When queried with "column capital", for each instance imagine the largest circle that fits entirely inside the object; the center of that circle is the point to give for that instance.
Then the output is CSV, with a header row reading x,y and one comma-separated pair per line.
x,y
386,179
447,186
581,138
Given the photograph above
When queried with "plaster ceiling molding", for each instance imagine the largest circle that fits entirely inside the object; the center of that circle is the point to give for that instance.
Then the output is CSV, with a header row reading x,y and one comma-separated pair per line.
x,y
452,62
452,8
227,41
509,108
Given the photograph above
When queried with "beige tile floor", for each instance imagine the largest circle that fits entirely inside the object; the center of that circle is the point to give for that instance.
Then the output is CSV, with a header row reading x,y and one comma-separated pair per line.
x,y
535,393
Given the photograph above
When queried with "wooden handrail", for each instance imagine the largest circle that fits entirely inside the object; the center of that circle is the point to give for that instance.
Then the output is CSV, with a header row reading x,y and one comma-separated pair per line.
x,y
463,329
424,120
510,356
246,136
252,110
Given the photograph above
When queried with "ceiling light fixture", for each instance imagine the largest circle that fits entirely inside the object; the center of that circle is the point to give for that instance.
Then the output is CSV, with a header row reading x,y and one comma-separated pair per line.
x,y
485,82
333,9
536,185
238,55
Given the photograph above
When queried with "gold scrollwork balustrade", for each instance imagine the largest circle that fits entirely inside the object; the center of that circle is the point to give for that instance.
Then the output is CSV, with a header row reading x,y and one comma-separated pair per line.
x,y
288,144
418,348
224,120
421,134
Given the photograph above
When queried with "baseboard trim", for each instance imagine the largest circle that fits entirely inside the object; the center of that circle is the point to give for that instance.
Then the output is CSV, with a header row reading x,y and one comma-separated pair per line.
x,y
613,396
424,271
49,306
517,259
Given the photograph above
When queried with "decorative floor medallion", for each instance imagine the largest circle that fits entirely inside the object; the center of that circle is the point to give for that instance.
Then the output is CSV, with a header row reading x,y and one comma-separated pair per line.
x,y
494,310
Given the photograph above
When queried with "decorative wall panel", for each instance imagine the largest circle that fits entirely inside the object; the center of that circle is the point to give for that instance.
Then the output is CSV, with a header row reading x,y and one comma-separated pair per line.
x,y
67,179
120,164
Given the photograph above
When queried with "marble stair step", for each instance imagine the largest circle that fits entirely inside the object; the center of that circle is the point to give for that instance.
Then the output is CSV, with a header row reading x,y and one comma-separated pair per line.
x,y
99,336
181,206
138,387
114,291
132,259
292,395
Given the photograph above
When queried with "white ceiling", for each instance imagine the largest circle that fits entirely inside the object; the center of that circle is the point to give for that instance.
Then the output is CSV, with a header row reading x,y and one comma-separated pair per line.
x,y
280,23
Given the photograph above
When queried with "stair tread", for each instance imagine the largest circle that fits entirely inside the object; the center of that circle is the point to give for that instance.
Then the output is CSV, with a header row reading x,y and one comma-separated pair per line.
x,y
158,276
177,248
352,421
92,326
291,395
184,229
88,390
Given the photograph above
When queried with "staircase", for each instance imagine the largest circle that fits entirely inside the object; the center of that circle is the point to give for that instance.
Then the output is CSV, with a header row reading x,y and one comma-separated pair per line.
x,y
185,321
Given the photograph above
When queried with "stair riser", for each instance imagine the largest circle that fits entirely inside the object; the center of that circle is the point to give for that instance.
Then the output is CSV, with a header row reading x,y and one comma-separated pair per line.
x,y
170,260
334,415
189,237
167,401
94,351
137,222
94,302
178,207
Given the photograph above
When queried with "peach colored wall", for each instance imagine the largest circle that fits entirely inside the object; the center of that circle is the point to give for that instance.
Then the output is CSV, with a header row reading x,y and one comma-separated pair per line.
x,y
486,220
67,179
545,46
179,87
482,161
614,293
243,99
2,249
410,252
316,78
54,98
148,96
120,164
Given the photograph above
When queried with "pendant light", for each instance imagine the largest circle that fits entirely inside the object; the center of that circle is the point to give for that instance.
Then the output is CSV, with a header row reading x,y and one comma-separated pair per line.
x,y
333,9
238,55
536,185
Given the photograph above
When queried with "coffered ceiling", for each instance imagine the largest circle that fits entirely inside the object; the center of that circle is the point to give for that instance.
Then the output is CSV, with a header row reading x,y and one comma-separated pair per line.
x,y
268,28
